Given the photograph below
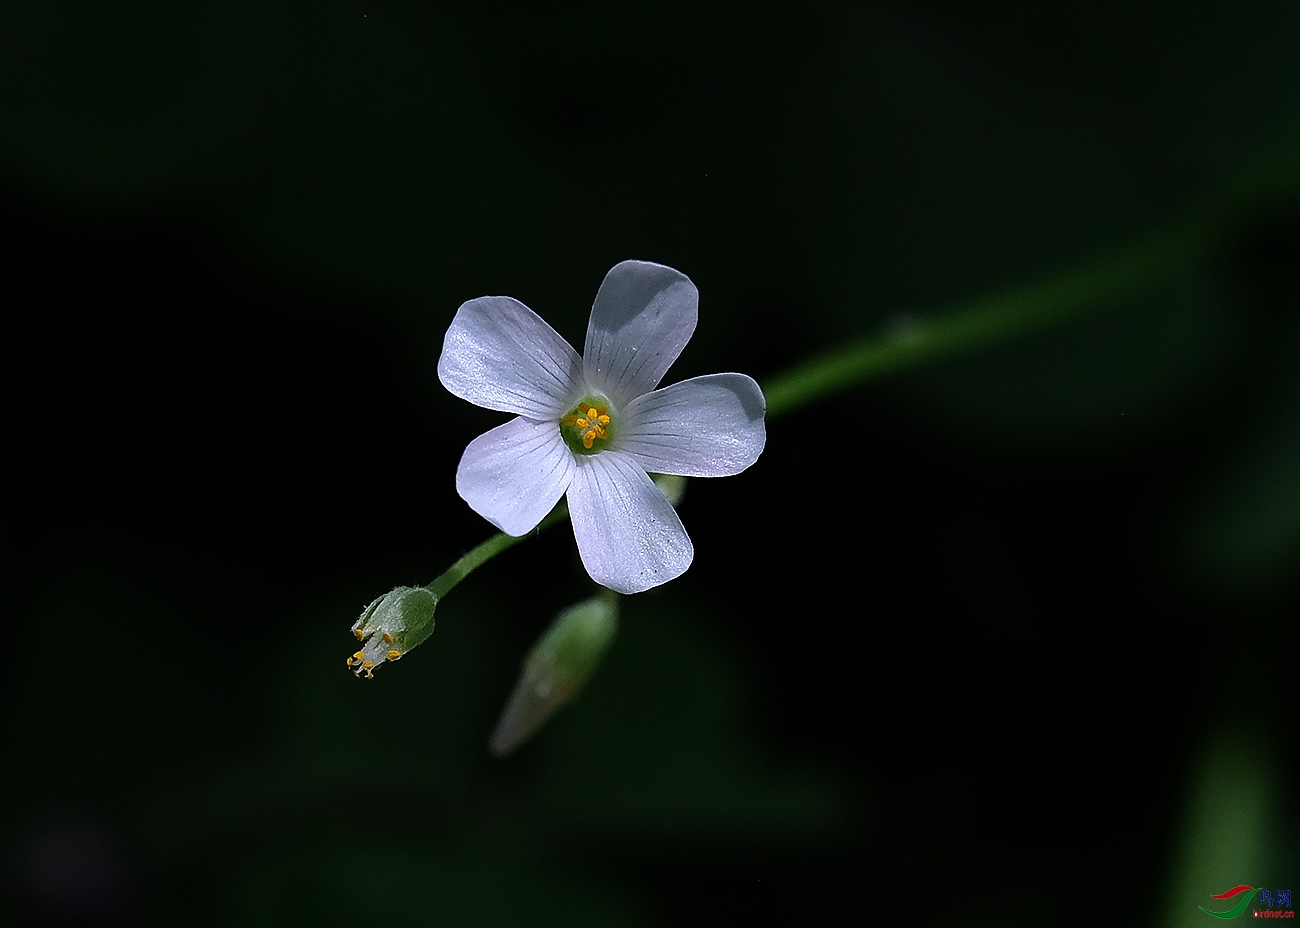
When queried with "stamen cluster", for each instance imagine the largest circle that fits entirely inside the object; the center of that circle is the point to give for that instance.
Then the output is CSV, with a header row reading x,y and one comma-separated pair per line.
x,y
368,658
588,422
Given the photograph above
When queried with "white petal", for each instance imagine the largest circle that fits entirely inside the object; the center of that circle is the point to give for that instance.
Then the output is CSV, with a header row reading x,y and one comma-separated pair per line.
x,y
703,427
643,317
500,354
628,535
514,474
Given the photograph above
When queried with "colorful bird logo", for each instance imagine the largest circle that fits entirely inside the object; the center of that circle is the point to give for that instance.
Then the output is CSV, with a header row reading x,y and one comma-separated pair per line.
x,y
1237,909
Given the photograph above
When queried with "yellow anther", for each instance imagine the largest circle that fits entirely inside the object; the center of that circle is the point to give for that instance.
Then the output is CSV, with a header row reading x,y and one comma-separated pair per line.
x,y
349,662
388,639
361,636
368,665
359,655
394,655
588,422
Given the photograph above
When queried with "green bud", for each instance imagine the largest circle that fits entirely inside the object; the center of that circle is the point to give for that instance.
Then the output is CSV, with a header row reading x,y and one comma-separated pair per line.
x,y
392,625
556,668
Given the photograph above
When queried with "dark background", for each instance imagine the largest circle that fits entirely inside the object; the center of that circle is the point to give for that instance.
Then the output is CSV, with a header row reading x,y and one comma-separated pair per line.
x,y
1007,638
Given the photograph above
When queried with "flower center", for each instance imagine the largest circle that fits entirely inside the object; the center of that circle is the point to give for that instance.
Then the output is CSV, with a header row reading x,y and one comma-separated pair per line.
x,y
588,427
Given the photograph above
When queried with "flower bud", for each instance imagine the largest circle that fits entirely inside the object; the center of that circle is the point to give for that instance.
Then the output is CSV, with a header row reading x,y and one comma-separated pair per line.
x,y
392,625
556,668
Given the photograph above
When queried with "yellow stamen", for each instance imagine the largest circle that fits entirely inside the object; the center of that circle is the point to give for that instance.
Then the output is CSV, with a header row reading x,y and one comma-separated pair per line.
x,y
587,425
361,636
394,655
388,639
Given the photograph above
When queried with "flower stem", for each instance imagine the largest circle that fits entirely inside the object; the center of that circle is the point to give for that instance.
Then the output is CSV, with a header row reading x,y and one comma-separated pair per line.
x,y
986,321
1092,287
484,552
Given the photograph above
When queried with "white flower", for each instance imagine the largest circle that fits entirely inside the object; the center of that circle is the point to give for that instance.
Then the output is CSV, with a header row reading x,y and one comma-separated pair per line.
x,y
592,427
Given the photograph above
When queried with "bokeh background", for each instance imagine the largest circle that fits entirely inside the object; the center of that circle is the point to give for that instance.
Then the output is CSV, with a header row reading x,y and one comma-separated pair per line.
x,y
1005,638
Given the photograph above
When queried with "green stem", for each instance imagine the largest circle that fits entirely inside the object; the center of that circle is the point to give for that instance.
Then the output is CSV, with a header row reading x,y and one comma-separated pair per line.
x,y
484,552
1095,286
989,320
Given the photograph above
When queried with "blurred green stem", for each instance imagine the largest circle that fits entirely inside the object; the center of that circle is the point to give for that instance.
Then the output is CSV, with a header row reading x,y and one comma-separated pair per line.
x,y
1094,286
985,321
